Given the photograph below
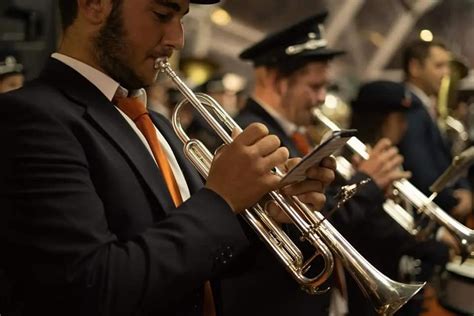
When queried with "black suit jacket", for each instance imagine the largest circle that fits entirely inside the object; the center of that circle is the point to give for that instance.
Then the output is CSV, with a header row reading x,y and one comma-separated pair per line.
x,y
87,224
426,154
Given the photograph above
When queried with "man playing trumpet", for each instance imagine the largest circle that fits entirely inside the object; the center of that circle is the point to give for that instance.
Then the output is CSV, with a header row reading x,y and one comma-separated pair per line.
x,y
101,214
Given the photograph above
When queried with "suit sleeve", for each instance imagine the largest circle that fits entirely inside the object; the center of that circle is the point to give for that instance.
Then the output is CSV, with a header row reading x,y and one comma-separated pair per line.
x,y
54,229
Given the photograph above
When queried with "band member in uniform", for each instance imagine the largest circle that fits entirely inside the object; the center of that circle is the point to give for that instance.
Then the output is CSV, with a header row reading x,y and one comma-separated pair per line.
x,y
425,151
291,74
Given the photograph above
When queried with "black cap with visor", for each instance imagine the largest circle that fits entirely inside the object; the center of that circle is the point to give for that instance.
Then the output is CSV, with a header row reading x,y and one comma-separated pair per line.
x,y
204,1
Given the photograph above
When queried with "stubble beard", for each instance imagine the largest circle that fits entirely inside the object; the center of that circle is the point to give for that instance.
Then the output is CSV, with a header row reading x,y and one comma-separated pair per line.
x,y
110,51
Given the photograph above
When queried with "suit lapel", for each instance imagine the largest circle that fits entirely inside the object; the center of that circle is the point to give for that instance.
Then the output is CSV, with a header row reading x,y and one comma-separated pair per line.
x,y
105,117
193,179
434,130
274,127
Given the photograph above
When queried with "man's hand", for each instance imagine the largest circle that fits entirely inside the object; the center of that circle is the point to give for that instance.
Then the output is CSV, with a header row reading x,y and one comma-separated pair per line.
x,y
464,206
383,165
241,171
310,191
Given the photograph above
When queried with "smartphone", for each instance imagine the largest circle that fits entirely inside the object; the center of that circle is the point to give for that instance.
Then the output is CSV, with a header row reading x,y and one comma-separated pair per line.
x,y
331,143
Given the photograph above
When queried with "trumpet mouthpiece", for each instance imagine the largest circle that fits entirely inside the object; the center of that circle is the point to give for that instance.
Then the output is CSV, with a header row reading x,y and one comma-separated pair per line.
x,y
160,63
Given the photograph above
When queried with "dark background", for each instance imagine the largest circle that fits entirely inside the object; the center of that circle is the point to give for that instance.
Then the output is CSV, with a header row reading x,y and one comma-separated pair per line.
x,y
28,28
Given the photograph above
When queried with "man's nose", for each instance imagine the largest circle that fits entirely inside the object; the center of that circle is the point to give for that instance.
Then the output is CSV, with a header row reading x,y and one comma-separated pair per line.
x,y
174,36
320,96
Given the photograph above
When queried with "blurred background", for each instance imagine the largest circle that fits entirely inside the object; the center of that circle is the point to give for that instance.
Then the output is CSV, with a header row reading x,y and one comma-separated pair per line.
x,y
372,32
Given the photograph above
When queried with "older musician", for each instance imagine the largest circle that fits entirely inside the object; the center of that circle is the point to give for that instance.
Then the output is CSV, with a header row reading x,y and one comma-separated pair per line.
x,y
291,74
100,212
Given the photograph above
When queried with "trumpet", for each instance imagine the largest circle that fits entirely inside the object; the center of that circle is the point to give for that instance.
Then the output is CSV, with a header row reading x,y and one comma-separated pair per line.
x,y
451,127
386,295
413,198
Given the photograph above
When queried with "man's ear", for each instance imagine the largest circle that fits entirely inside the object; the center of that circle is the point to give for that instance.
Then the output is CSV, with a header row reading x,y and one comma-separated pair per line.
x,y
274,80
281,85
414,67
94,12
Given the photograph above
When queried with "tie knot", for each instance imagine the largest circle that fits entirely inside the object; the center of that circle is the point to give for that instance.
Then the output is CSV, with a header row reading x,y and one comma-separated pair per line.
x,y
133,107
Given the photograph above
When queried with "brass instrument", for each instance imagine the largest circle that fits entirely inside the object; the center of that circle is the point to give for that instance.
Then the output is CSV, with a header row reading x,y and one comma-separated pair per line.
x,y
412,196
386,295
451,127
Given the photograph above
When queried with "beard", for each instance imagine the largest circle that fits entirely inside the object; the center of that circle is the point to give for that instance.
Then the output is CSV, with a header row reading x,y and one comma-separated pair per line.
x,y
110,49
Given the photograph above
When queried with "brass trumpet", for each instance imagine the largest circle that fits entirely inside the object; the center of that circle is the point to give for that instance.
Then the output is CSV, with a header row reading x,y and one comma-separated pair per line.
x,y
413,197
386,295
451,127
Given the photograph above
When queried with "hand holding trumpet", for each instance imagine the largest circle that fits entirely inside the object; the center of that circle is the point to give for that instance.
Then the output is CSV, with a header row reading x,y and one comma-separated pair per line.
x,y
383,165
241,172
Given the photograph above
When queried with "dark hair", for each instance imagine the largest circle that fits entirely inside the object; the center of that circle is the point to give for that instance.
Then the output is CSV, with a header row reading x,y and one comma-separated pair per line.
x,y
418,50
68,12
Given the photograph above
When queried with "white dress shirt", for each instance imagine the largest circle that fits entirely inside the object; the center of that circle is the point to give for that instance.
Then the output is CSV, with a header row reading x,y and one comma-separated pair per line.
x,y
108,87
425,99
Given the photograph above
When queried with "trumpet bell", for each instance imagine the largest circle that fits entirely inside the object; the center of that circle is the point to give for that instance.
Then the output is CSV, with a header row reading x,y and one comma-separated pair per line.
x,y
397,294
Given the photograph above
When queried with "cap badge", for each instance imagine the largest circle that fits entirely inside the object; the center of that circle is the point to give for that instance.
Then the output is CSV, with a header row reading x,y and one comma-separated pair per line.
x,y
312,43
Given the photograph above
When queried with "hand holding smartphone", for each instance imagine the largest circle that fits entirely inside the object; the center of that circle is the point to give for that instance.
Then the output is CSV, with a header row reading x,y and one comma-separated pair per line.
x,y
327,147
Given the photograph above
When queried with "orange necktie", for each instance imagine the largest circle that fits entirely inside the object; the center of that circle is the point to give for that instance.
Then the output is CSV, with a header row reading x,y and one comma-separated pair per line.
x,y
301,142
135,109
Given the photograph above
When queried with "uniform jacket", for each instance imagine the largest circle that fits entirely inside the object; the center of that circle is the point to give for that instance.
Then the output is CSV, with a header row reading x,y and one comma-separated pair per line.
x,y
426,154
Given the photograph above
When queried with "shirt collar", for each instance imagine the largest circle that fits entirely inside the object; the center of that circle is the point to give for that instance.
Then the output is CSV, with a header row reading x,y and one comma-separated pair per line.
x,y
140,94
288,127
103,82
425,99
